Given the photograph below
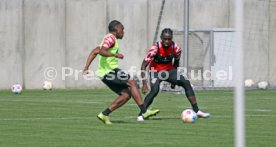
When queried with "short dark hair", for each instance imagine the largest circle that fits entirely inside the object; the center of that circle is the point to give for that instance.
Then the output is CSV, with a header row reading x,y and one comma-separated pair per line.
x,y
112,25
167,31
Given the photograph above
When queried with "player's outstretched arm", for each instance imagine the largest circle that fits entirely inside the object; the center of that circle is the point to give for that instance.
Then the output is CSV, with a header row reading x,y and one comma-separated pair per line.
x,y
104,52
90,58
143,72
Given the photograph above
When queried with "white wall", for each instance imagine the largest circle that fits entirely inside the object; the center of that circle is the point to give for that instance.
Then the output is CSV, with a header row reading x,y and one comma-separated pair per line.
x,y
85,27
36,34
11,43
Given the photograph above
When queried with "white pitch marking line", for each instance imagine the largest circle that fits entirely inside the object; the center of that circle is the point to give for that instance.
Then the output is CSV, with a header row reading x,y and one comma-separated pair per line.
x,y
212,116
259,110
127,117
43,118
55,101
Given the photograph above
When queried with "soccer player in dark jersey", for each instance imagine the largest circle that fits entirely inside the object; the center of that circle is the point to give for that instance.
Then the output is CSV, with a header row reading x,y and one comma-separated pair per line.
x,y
163,60
109,72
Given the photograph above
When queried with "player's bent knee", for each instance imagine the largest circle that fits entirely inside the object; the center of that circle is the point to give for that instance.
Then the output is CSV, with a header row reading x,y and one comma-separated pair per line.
x,y
125,94
185,83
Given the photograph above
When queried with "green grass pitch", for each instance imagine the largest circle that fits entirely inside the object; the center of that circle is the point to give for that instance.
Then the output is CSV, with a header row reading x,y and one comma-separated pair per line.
x,y
68,118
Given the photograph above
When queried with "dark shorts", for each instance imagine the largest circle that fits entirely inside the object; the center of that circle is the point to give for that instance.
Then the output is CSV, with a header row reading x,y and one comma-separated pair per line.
x,y
172,76
116,80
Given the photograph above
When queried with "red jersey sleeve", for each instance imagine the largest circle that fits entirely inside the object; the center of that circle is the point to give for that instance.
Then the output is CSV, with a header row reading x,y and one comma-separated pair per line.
x,y
109,41
178,51
151,53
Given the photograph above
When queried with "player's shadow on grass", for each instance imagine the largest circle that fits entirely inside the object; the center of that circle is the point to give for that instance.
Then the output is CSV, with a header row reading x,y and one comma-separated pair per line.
x,y
118,121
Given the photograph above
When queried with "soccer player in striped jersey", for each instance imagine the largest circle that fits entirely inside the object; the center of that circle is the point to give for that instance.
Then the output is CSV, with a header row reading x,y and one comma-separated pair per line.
x,y
163,60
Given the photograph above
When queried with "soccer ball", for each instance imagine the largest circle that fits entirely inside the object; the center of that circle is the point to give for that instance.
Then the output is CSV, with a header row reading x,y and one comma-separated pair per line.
x,y
262,85
17,88
248,83
188,116
47,85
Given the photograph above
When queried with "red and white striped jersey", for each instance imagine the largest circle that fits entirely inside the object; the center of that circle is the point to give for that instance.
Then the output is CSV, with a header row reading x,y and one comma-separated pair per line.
x,y
109,41
163,52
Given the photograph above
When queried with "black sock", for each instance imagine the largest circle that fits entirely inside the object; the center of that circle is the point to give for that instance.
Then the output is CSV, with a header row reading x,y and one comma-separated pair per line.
x,y
195,107
106,112
143,108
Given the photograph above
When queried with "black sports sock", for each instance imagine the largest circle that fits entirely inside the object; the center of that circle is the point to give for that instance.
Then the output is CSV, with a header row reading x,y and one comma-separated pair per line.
x,y
195,107
106,112
143,108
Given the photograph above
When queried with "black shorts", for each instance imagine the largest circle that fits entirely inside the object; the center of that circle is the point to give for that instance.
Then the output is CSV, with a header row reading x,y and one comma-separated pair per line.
x,y
116,80
173,77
